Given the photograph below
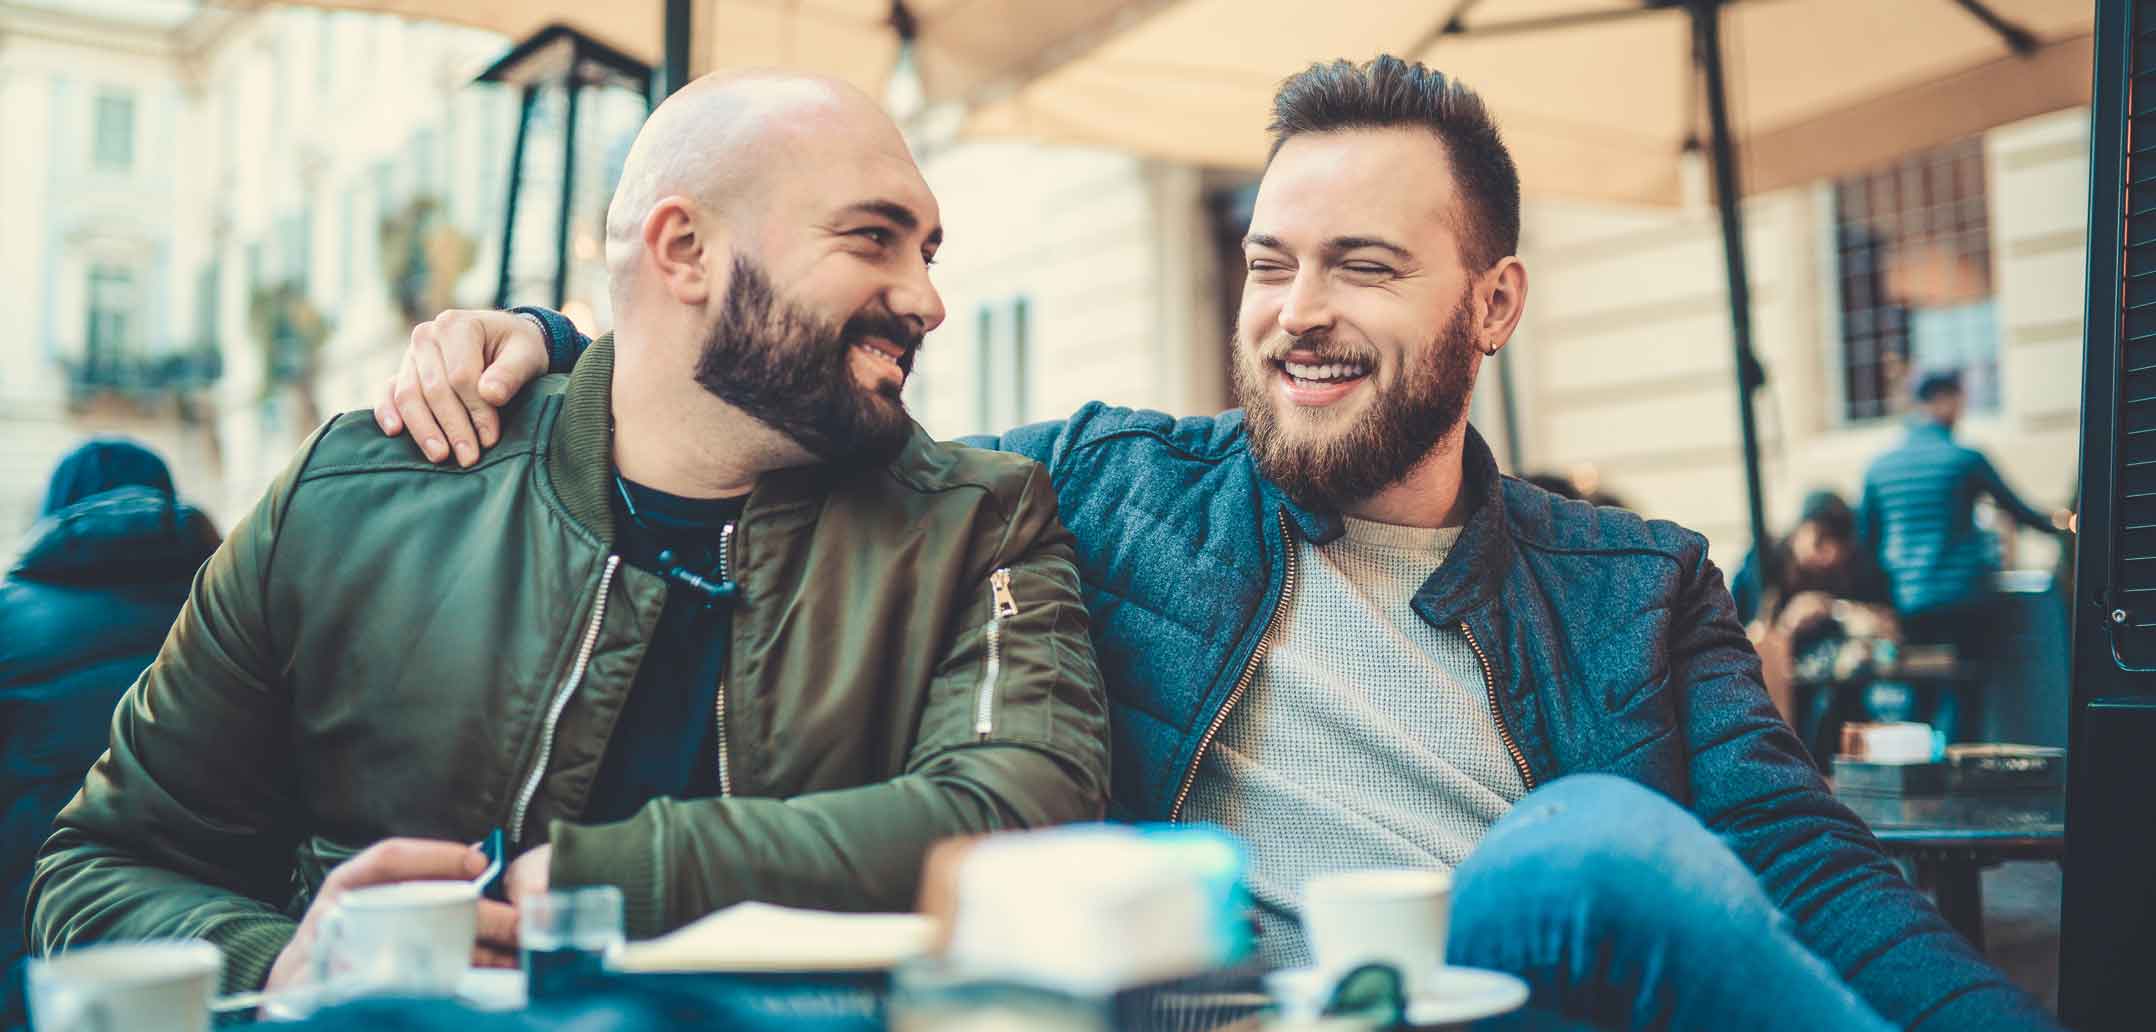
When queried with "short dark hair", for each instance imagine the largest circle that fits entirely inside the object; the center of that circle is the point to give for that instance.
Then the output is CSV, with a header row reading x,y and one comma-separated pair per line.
x,y
1830,514
1944,381
1386,92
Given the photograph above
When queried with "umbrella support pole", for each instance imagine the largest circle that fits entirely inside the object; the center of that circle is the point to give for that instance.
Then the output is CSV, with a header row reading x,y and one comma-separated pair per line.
x,y
1707,51
567,214
509,207
674,74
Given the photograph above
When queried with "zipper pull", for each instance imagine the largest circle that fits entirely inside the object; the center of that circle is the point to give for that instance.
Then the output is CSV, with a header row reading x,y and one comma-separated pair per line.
x,y
999,585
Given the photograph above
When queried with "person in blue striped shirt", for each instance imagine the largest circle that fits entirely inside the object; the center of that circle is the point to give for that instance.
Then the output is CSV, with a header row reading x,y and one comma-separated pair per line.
x,y
1918,515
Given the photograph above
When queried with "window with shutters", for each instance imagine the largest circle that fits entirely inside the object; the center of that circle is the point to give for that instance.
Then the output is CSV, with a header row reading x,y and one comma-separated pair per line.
x,y
1912,246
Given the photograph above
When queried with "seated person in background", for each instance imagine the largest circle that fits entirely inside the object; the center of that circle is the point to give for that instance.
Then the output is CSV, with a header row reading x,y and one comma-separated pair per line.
x,y
93,592
713,622
1815,621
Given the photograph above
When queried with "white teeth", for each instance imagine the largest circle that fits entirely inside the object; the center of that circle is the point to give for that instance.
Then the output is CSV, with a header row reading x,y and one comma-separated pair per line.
x,y
873,353
1324,373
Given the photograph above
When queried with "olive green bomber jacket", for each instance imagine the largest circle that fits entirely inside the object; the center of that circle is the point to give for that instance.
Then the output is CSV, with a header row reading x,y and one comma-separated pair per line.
x,y
386,647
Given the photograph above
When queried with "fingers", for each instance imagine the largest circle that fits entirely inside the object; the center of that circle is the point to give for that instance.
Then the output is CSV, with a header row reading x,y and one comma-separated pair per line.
x,y
442,401
461,338
519,356
385,410
498,927
411,404
406,859
528,875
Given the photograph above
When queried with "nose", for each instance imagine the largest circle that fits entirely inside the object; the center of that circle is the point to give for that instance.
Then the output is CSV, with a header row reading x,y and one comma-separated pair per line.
x,y
1308,306
915,300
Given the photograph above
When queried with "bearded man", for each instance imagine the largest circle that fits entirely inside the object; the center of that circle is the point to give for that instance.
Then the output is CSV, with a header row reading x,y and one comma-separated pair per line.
x,y
1329,624
713,622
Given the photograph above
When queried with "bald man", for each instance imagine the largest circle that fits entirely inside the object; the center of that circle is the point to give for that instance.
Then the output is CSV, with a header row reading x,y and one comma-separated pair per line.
x,y
713,621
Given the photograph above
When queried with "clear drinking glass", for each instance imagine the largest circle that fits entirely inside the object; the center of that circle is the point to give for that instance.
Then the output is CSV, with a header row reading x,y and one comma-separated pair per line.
x,y
567,938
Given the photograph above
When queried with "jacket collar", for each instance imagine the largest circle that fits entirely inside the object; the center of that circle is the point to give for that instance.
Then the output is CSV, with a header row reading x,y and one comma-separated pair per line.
x,y
1473,570
1923,428
580,453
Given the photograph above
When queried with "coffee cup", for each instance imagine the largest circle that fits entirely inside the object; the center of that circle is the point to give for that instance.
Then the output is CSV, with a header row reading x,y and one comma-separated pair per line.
x,y
1379,916
163,985
410,938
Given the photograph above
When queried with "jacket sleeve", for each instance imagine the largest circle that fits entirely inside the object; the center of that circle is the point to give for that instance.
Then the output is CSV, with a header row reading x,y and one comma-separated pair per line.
x,y
1995,486
1753,785
184,827
564,343
1035,754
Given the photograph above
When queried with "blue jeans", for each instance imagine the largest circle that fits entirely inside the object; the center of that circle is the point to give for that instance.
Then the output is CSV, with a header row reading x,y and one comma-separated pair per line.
x,y
1622,911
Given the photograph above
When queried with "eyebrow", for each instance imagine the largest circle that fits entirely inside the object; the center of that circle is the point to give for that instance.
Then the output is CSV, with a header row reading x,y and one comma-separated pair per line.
x,y
1336,245
898,214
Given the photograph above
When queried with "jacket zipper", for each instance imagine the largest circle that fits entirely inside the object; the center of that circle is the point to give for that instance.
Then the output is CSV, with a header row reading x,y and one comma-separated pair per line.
x,y
726,554
1004,605
1489,682
1250,672
561,702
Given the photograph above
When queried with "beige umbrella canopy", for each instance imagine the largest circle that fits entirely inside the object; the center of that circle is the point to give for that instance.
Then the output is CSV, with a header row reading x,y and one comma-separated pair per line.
x,y
1598,99
1597,107
962,49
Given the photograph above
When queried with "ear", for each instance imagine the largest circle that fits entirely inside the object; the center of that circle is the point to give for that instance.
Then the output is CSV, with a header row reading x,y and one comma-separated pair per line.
x,y
684,249
1502,292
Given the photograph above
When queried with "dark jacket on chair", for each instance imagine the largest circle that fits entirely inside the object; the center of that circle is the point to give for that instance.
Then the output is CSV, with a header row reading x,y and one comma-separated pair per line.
x,y
82,612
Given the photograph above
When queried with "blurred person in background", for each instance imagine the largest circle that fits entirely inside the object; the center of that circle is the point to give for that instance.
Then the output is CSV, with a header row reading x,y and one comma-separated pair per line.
x,y
1329,624
1918,518
1815,623
82,611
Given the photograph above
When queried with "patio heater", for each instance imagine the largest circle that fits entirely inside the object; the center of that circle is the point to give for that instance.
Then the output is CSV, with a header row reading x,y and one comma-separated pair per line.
x,y
556,57
2108,928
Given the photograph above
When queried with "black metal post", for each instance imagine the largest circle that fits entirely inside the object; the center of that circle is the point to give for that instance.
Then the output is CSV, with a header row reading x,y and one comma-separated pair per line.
x,y
679,21
1707,50
568,193
516,179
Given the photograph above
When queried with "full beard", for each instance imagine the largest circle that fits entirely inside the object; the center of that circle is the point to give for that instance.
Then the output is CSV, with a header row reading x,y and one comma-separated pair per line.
x,y
1331,468
791,371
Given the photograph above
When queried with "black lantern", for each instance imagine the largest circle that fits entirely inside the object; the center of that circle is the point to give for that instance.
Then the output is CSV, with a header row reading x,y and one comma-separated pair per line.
x,y
556,57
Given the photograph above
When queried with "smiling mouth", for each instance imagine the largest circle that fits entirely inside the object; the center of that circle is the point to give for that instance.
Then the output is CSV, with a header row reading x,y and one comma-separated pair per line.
x,y
1320,375
884,351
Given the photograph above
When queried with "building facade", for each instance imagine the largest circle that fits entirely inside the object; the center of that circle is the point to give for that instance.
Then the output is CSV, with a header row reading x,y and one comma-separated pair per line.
x,y
199,205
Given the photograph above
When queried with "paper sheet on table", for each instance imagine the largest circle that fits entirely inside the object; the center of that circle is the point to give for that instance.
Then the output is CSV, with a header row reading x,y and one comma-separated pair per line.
x,y
762,937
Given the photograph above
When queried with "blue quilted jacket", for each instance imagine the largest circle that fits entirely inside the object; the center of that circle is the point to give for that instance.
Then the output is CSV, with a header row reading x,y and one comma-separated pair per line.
x,y
1610,641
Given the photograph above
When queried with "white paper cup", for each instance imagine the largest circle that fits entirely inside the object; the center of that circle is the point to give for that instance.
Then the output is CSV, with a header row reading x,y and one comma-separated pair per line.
x,y
161,985
410,938
1379,916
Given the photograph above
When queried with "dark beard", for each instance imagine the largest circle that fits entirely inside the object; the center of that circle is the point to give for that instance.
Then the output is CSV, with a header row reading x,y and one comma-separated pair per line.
x,y
1335,467
792,371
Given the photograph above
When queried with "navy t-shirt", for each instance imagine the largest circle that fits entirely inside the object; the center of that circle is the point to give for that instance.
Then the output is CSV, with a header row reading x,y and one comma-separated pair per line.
x,y
665,743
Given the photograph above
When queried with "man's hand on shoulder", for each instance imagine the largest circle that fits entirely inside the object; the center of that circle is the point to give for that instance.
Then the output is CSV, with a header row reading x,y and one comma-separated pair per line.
x,y
458,370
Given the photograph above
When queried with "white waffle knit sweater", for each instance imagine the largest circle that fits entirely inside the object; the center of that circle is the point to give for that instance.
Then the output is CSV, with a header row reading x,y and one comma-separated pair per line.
x,y
1365,739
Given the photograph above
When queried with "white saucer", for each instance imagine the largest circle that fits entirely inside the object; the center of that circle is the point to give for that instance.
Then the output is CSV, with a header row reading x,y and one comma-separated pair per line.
x,y
487,989
1466,994
1457,995
492,989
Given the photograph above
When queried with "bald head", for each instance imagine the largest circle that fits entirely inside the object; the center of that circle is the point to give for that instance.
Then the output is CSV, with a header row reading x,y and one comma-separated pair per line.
x,y
720,141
